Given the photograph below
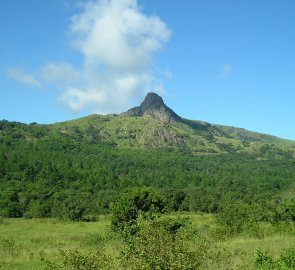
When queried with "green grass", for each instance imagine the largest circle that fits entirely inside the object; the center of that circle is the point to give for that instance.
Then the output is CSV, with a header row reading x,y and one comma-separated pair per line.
x,y
23,242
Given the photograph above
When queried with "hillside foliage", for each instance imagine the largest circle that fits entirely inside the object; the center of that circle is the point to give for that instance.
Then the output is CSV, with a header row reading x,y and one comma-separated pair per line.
x,y
77,169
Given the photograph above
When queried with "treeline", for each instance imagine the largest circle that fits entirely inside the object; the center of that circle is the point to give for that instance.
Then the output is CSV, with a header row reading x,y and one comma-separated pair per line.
x,y
44,173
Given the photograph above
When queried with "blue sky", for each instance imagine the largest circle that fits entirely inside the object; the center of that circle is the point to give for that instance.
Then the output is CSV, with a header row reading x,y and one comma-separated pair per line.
x,y
225,62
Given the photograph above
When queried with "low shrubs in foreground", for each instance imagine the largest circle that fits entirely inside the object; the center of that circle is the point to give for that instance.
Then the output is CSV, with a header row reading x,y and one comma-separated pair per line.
x,y
286,261
154,246
164,245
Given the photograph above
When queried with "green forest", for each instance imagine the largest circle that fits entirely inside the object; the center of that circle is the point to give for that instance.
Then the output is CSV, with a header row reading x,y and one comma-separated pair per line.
x,y
50,175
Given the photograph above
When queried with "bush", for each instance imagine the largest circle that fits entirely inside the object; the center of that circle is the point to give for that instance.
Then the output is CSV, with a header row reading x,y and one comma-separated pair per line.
x,y
27,216
174,199
290,210
38,208
75,259
9,203
287,258
286,261
173,225
263,260
71,205
74,209
133,203
154,247
240,217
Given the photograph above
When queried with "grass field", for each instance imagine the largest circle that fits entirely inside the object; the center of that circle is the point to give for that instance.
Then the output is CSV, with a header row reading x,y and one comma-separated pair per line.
x,y
29,243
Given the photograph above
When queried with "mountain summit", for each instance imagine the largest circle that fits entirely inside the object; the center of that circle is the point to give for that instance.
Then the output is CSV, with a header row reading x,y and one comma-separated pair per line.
x,y
154,106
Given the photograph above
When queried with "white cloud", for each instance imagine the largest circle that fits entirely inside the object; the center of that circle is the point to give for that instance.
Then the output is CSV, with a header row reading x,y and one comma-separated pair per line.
x,y
118,42
107,95
115,33
60,72
226,70
76,98
23,78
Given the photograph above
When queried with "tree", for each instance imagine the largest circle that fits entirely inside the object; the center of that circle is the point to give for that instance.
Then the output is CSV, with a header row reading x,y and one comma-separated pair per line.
x,y
238,215
9,203
133,203
174,198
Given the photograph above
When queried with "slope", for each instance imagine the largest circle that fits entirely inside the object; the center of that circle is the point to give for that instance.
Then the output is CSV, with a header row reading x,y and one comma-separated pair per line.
x,y
80,166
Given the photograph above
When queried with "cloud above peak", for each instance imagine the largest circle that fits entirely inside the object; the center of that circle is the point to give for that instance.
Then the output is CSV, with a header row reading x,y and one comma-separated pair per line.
x,y
118,43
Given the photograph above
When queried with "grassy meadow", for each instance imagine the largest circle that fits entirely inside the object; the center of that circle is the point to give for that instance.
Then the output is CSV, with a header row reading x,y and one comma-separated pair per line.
x,y
39,243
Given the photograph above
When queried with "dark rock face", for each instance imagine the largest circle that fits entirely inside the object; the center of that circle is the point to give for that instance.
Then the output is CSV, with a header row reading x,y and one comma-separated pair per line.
x,y
154,106
152,100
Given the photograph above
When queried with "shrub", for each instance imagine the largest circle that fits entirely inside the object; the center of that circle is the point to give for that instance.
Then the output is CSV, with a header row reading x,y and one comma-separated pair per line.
x,y
174,199
133,203
27,216
75,259
173,225
154,247
240,217
74,209
286,261
9,203
287,258
263,260
290,210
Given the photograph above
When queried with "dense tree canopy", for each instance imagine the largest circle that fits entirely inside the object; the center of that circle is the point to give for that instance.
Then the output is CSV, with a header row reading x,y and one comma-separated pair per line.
x,y
46,173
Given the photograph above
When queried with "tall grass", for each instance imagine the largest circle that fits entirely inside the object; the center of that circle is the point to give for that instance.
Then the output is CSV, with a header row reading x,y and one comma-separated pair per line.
x,y
35,243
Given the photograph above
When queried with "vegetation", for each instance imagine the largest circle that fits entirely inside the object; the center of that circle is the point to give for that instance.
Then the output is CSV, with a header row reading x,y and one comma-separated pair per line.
x,y
48,243
286,260
135,203
59,171
144,173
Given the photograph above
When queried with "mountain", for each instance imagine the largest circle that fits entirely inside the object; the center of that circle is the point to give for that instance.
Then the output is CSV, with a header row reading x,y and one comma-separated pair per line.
x,y
50,170
153,105
154,125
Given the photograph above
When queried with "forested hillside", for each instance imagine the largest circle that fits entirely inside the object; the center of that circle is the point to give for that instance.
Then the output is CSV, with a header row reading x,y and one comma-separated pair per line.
x,y
76,169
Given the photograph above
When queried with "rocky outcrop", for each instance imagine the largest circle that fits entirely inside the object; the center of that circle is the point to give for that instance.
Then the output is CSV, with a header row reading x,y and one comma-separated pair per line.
x,y
154,106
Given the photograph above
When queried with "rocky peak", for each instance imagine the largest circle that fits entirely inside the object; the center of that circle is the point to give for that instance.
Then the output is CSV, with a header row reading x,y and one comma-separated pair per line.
x,y
154,106
152,100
